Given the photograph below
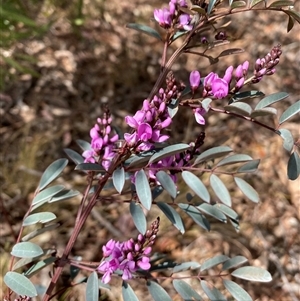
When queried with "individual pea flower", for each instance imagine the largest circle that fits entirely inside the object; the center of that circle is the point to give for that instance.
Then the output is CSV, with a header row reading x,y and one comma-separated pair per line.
x,y
216,86
129,256
194,80
219,88
199,113
163,17
184,22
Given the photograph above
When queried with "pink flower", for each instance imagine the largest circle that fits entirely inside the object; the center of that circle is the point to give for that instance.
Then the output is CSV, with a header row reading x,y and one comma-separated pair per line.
x,y
163,17
194,80
219,88
199,112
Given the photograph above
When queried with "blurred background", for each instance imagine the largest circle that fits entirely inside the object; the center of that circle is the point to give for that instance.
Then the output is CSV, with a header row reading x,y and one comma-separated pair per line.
x,y
60,61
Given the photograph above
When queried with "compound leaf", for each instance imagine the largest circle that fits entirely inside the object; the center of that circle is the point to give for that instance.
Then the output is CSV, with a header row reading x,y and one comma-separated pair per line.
x,y
238,158
26,250
39,231
212,262
237,4
64,195
143,189
196,185
41,217
46,194
74,156
185,290
128,293
233,262
242,96
39,265
263,112
92,287
157,292
290,112
239,108
144,29
212,293
195,214
255,2
250,166
247,189
52,172
20,284
290,24
138,216
167,183
252,274
84,145
236,291
172,215
210,6
282,3
90,167
169,151
288,140
220,189
270,99
186,266
227,211
213,153
293,167
212,211
118,178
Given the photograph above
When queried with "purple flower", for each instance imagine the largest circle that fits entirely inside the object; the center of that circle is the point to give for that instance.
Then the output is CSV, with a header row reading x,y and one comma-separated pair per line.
x,y
199,112
239,83
127,257
184,22
163,17
219,88
228,74
239,72
194,80
144,132
245,67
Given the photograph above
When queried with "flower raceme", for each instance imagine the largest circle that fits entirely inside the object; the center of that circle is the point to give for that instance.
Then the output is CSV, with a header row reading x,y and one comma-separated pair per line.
x,y
129,256
148,122
166,17
102,142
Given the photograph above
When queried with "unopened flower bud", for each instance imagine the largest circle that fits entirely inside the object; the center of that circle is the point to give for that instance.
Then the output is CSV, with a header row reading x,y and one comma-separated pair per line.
x,y
271,71
162,107
261,72
220,36
245,67
240,83
239,72
194,80
204,40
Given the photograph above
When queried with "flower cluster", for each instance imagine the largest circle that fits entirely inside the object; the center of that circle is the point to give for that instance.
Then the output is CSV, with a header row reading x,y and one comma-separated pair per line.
x,y
102,143
173,16
265,66
129,256
216,86
148,122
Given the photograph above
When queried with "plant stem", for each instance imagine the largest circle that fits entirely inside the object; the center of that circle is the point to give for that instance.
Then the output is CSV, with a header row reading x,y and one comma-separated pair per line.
x,y
78,226
83,214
